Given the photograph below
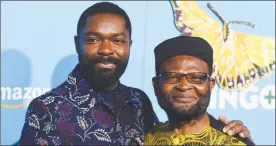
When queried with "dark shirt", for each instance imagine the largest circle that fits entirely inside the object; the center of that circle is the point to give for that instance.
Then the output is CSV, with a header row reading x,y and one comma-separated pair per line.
x,y
75,114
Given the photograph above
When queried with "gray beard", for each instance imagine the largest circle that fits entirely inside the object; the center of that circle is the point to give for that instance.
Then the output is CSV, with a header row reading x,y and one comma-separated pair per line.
x,y
194,112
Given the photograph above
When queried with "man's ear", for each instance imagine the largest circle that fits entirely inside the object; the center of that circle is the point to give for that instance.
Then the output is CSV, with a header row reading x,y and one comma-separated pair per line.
x,y
130,43
158,93
212,84
76,39
156,87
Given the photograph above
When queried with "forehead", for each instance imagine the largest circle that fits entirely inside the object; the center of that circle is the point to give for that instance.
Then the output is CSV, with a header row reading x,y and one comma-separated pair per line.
x,y
105,23
184,64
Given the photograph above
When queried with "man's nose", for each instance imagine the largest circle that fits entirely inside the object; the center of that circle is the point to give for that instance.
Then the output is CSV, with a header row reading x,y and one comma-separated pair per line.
x,y
105,48
183,85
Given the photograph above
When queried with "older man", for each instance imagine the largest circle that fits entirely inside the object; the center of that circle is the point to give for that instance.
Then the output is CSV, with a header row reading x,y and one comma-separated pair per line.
x,y
183,88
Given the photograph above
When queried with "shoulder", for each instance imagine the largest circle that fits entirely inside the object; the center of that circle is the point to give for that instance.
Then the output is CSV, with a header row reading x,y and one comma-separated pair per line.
x,y
141,96
160,127
138,93
224,139
44,110
45,102
235,139
157,131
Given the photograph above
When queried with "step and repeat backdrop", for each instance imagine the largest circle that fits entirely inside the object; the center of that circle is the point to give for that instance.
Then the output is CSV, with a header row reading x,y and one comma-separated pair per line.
x,y
37,54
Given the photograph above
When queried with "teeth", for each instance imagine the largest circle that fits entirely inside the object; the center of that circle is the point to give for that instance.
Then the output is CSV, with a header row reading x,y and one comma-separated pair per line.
x,y
252,73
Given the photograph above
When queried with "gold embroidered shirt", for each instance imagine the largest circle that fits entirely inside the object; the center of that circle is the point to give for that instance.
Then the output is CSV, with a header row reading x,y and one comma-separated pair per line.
x,y
161,134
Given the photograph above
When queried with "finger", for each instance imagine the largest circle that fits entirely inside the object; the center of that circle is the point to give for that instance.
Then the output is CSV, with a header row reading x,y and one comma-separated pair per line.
x,y
223,119
238,128
245,132
229,126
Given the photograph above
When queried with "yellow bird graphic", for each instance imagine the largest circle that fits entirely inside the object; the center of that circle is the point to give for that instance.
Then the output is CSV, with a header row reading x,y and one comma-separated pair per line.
x,y
240,59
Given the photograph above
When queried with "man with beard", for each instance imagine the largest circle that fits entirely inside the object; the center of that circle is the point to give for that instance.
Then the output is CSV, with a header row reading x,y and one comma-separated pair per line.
x,y
92,107
183,88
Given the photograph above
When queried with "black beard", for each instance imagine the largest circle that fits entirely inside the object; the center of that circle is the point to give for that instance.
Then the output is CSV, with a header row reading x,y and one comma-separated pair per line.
x,y
100,79
196,111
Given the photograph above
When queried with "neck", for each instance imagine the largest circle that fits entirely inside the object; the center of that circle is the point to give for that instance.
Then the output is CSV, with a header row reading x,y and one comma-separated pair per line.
x,y
190,126
103,88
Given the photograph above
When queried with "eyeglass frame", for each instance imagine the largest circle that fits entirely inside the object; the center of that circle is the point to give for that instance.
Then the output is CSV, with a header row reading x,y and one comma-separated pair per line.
x,y
207,77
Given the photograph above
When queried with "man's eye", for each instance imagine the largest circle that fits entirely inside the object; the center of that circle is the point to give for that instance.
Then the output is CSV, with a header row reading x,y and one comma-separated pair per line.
x,y
118,42
171,77
197,78
92,40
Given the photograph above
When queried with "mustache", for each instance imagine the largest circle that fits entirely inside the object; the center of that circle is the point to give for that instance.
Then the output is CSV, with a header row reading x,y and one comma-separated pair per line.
x,y
186,94
106,60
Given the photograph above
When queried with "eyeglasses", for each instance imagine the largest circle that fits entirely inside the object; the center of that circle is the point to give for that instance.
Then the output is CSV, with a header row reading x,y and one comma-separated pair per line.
x,y
175,78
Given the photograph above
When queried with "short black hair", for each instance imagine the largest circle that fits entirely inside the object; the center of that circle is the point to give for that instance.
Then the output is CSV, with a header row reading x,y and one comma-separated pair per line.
x,y
103,8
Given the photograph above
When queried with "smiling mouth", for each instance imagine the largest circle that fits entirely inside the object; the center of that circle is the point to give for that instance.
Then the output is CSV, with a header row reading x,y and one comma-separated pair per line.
x,y
184,99
106,65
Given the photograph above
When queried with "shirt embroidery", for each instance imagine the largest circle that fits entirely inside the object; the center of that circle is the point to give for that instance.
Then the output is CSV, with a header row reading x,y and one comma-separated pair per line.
x,y
74,114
